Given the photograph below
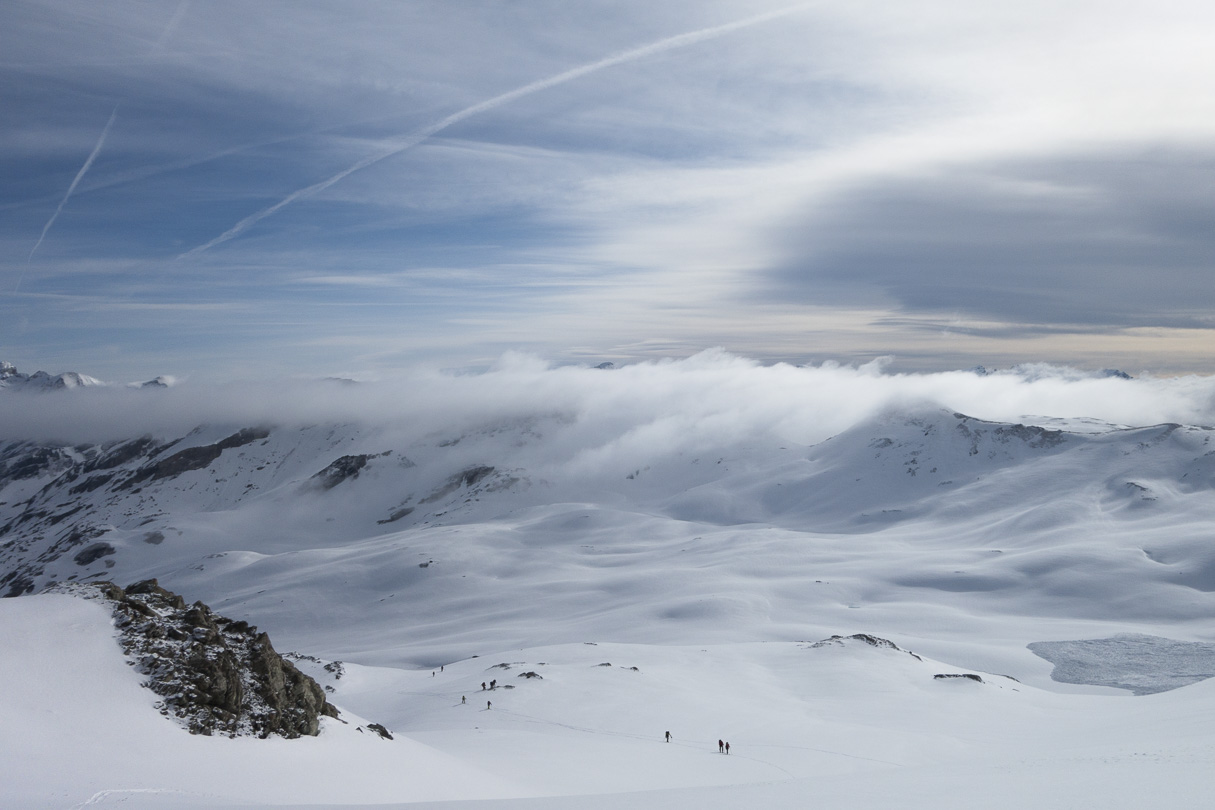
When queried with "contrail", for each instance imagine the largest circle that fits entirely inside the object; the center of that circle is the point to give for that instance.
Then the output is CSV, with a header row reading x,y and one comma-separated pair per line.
x,y
182,7
414,138
75,182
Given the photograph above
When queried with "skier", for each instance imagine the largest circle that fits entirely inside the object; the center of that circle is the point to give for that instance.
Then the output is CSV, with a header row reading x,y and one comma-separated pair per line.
x,y
668,736
727,748
721,746
493,684
482,686
462,700
489,705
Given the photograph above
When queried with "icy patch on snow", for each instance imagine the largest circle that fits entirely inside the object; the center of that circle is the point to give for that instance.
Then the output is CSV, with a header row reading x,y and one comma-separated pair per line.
x,y
1141,663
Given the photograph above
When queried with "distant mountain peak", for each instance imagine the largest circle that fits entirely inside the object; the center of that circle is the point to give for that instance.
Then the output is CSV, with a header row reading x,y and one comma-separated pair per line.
x,y
11,378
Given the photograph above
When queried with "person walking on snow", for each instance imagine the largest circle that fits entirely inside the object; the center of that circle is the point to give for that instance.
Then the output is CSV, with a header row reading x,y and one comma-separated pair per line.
x,y
721,746
462,700
489,705
727,748
668,736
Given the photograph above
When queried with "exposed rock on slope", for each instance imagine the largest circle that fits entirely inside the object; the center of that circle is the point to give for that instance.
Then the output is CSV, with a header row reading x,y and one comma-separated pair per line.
x,y
215,675
343,469
863,638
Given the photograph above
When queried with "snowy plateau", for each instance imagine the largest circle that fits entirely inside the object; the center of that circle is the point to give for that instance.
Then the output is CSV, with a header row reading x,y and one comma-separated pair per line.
x,y
530,576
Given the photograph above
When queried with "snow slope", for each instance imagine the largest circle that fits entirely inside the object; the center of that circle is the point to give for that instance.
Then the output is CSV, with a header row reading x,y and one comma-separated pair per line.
x,y
708,553
842,724
78,724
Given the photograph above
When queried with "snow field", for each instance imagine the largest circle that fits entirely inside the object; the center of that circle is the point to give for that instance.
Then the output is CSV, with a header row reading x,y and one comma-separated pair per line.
x,y
842,725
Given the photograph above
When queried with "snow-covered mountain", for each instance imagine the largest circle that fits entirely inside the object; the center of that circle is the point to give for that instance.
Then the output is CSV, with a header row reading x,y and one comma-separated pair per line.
x,y
12,379
698,560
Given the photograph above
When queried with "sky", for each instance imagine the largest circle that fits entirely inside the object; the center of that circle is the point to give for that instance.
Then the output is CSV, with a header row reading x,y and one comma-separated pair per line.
x,y
215,189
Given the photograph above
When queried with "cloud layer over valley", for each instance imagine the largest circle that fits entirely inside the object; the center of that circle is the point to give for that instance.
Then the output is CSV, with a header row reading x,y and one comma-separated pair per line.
x,y
662,406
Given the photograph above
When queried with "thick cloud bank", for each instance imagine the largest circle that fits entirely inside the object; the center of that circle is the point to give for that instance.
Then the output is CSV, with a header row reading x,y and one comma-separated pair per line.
x,y
712,398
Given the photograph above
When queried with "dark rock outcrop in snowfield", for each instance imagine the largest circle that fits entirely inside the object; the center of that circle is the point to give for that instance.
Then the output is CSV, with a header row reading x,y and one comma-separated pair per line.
x,y
215,675
863,638
196,458
343,469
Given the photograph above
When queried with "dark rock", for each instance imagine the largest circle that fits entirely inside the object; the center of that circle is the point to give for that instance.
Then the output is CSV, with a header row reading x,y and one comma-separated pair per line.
x,y
344,468
379,729
152,587
942,676
193,458
197,458
466,478
117,455
396,515
17,585
93,553
215,675
865,638
91,483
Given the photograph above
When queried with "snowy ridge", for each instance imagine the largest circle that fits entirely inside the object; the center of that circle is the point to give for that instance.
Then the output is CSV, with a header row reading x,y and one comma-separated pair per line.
x,y
13,380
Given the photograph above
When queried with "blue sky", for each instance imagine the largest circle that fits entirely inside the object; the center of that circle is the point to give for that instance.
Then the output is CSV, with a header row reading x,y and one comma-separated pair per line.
x,y
214,188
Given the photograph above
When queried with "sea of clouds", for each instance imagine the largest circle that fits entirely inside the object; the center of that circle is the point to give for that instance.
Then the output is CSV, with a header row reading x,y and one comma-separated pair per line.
x,y
713,397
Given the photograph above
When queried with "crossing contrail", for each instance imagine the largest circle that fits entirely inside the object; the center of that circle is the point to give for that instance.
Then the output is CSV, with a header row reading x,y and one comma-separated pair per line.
x,y
413,139
75,182
168,30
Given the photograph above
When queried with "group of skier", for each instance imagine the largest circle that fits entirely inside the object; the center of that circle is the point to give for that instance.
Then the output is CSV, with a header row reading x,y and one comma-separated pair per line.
x,y
722,746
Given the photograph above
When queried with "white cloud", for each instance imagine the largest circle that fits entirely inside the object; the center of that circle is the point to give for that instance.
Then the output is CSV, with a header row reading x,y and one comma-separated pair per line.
x,y
712,399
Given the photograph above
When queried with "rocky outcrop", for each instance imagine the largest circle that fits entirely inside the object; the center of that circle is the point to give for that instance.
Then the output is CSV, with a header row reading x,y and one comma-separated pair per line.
x,y
213,674
343,469
194,458
864,638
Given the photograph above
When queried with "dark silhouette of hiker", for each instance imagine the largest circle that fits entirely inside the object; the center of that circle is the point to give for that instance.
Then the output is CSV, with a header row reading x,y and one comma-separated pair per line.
x,y
440,668
489,705
721,746
493,684
668,736
462,700
727,748
482,686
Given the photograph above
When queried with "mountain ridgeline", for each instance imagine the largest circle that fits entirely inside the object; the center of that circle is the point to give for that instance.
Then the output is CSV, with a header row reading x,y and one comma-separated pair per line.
x,y
271,520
